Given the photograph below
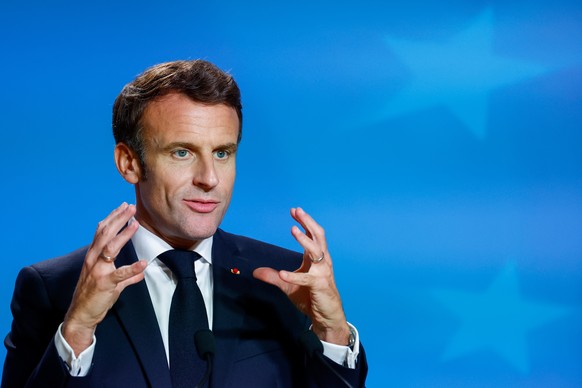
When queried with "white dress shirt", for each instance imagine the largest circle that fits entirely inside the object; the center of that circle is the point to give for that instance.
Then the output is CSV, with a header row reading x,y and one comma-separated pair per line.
x,y
161,285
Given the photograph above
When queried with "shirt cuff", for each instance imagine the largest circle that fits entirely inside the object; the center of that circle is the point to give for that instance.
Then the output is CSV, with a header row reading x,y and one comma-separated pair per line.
x,y
343,355
77,366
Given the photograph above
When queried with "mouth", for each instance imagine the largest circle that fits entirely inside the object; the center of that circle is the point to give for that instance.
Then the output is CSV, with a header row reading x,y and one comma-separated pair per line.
x,y
201,206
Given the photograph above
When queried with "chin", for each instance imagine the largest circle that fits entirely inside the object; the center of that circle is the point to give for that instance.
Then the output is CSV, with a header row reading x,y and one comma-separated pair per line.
x,y
199,228
201,233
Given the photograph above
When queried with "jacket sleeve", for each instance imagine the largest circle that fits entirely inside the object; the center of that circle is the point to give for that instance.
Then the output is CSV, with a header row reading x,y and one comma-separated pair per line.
x,y
32,359
320,375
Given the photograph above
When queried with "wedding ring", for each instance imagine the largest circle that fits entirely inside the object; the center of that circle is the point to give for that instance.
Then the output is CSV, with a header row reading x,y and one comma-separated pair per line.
x,y
108,259
315,261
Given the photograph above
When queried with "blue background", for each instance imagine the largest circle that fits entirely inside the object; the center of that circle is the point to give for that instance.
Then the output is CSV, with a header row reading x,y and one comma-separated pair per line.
x,y
438,144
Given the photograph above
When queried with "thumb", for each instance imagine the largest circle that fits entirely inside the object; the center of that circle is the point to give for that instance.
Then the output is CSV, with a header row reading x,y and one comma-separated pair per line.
x,y
269,275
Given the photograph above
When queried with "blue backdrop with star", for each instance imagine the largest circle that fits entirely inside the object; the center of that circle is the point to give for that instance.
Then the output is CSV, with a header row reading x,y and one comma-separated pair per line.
x,y
438,144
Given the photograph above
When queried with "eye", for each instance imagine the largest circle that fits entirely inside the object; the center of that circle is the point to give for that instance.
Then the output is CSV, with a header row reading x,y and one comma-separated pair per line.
x,y
181,154
221,154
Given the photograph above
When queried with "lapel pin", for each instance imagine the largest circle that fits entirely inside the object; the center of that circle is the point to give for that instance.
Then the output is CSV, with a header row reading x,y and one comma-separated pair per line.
x,y
235,271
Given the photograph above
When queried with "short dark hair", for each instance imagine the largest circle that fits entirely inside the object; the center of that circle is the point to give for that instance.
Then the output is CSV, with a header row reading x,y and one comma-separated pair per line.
x,y
199,80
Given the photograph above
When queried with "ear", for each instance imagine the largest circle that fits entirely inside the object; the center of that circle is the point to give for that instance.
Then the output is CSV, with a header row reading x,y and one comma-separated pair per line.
x,y
127,163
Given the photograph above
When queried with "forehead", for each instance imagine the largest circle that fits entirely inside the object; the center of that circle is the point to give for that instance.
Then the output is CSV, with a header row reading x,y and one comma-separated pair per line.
x,y
176,115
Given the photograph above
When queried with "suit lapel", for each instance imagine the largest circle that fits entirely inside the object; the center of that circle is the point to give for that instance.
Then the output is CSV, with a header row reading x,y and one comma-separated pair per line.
x,y
232,281
232,276
136,314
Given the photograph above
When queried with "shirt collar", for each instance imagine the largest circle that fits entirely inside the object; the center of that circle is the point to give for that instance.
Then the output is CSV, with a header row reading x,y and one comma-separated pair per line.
x,y
148,246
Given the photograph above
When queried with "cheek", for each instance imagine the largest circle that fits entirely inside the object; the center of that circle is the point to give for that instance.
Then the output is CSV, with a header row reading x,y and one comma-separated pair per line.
x,y
172,179
228,182
166,186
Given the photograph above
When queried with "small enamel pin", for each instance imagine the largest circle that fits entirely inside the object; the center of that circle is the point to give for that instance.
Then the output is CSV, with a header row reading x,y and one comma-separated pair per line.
x,y
235,271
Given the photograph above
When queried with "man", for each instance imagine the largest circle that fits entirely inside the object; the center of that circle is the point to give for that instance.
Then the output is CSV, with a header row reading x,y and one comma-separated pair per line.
x,y
101,317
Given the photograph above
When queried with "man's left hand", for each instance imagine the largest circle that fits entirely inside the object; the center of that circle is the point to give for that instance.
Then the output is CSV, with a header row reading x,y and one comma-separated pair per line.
x,y
312,287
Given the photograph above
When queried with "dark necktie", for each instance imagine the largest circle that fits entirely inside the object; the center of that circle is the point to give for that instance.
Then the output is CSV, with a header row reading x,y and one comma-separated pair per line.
x,y
187,316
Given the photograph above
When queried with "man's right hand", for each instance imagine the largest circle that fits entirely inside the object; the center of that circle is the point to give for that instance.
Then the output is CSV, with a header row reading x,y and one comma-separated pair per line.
x,y
100,282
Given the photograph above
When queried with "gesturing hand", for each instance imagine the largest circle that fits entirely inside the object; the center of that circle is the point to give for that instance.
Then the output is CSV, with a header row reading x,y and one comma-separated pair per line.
x,y
100,282
312,287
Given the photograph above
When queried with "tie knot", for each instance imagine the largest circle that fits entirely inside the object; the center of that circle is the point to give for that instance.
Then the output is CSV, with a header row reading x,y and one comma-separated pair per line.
x,y
180,262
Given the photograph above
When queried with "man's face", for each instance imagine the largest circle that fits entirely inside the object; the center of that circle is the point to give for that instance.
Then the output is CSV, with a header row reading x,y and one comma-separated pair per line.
x,y
190,155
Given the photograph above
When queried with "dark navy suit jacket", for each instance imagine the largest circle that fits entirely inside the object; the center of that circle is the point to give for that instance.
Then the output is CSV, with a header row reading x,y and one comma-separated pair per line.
x,y
255,325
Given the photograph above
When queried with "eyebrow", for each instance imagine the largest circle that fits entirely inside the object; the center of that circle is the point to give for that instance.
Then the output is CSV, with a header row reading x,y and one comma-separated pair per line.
x,y
231,147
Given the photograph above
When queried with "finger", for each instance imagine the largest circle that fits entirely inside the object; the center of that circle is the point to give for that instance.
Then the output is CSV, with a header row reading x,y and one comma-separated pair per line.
x,y
271,276
104,224
106,255
129,274
318,259
313,250
108,259
297,278
314,283
312,229
296,217
114,246
126,272
108,229
111,226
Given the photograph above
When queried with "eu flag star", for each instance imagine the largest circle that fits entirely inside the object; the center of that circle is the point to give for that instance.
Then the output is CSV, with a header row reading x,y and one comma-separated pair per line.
x,y
458,74
497,319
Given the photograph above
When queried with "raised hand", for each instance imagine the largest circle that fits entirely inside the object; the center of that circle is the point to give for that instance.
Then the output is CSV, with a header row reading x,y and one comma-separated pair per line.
x,y
100,282
312,287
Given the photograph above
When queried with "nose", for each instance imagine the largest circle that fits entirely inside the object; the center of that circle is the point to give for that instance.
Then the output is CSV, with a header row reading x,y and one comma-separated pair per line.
x,y
205,175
